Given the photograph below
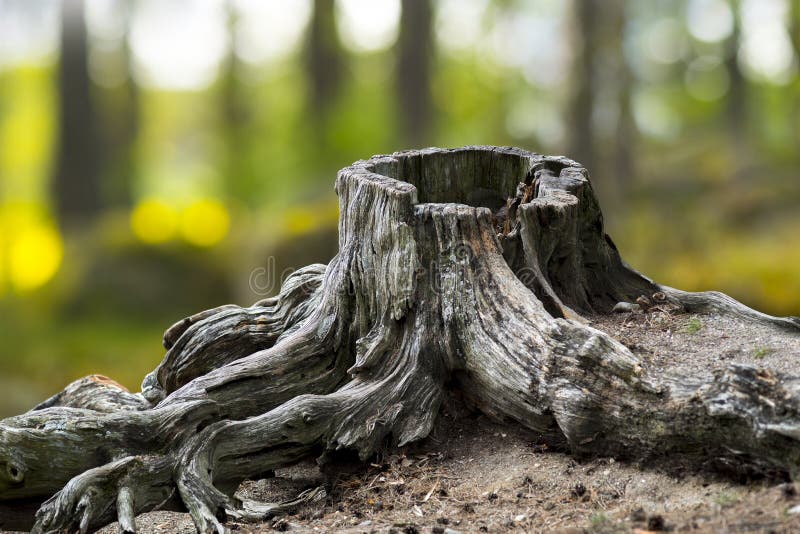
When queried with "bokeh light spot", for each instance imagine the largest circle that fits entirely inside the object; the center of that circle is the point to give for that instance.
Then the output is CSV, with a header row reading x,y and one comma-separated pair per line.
x,y
459,25
654,116
172,56
204,222
706,79
154,221
368,25
3,281
766,52
709,20
664,41
35,255
269,30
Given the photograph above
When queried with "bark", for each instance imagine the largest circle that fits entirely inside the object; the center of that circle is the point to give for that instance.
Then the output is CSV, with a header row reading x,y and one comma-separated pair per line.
x,y
468,270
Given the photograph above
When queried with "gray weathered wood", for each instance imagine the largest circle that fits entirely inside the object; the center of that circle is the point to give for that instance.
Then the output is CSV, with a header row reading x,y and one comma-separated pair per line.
x,y
467,269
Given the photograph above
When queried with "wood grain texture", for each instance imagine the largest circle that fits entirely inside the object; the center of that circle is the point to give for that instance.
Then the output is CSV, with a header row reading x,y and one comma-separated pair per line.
x,y
465,269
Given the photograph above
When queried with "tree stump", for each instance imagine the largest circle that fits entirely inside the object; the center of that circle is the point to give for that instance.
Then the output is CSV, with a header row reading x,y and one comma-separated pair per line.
x,y
471,269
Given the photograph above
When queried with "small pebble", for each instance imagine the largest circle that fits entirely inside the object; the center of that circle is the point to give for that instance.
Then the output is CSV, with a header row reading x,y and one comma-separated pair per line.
x,y
626,307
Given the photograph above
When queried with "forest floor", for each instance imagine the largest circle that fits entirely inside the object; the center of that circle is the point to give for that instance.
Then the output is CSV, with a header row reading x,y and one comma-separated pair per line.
x,y
480,477
473,475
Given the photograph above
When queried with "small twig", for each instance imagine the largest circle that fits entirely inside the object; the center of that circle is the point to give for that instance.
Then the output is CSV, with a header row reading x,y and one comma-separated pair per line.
x,y
428,496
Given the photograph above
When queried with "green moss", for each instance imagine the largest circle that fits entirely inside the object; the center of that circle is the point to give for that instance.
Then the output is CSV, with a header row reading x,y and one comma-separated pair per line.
x,y
725,499
693,325
760,352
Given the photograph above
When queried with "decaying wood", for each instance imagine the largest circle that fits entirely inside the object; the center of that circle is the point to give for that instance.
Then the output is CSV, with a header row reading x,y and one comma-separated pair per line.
x,y
468,269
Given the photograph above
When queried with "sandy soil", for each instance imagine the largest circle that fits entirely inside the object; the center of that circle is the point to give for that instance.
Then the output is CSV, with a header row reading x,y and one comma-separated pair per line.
x,y
472,475
700,344
476,476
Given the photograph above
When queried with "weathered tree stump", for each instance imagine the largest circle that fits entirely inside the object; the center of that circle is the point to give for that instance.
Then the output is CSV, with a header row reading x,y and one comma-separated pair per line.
x,y
469,270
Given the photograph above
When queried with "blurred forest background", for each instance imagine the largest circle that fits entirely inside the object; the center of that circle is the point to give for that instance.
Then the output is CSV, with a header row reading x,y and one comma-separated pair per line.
x,y
156,154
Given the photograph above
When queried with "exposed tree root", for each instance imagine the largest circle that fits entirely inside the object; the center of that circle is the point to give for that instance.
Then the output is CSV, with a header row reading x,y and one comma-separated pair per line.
x,y
462,269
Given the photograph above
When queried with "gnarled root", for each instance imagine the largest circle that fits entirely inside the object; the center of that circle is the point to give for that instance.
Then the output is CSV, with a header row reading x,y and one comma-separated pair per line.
x,y
117,491
214,338
97,393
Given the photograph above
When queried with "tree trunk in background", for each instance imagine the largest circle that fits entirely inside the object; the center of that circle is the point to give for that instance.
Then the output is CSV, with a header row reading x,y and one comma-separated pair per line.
x,y
625,146
580,107
415,49
239,180
324,58
736,108
123,125
794,34
76,184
